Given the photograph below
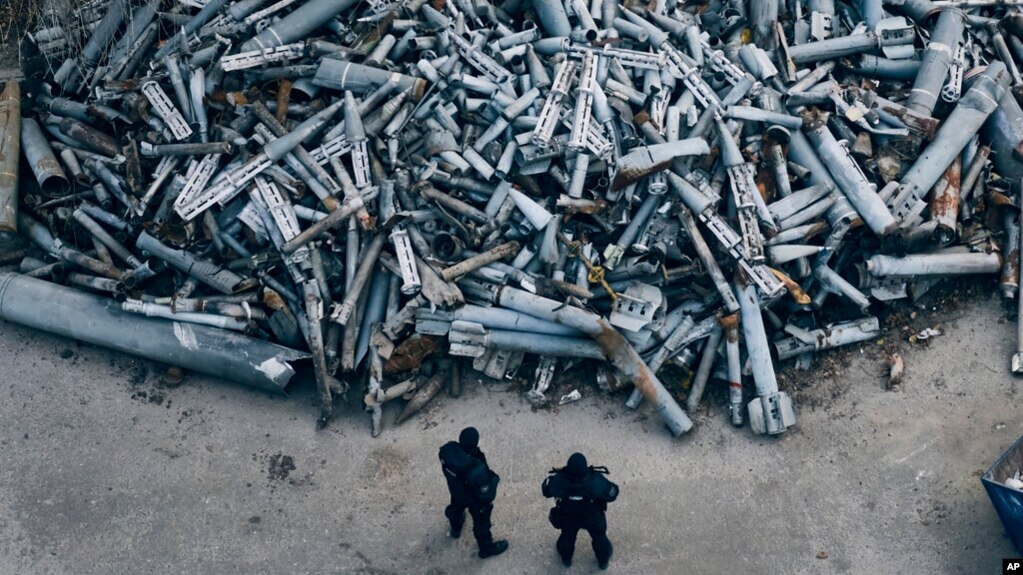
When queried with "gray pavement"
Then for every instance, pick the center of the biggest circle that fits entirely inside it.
(103, 471)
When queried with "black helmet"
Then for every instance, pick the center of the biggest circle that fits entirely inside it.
(577, 466)
(469, 438)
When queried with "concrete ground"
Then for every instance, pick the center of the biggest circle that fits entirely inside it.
(103, 471)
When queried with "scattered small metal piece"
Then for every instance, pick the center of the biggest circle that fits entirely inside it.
(896, 370)
(173, 376)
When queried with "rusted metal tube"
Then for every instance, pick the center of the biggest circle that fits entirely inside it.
(944, 202)
(50, 176)
(10, 152)
(328, 223)
(91, 137)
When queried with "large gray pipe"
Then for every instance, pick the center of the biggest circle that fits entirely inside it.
(98, 320)
(763, 18)
(282, 146)
(833, 48)
(878, 67)
(299, 24)
(919, 11)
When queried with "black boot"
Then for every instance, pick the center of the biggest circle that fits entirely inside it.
(456, 532)
(566, 562)
(495, 548)
(603, 564)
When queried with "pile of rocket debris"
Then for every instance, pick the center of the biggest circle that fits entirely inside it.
(399, 189)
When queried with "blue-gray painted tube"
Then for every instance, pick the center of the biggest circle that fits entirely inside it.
(69, 74)
(342, 75)
(277, 149)
(851, 180)
(755, 338)
(100, 321)
(499, 318)
(299, 24)
(1004, 129)
(139, 22)
(763, 18)
(208, 11)
(104, 33)
(831, 48)
(872, 12)
(615, 347)
(960, 126)
(935, 62)
(548, 345)
(919, 11)
(552, 16)
(802, 153)
(884, 68)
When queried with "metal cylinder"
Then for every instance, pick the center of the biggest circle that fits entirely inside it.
(710, 352)
(209, 273)
(960, 127)
(852, 181)
(342, 75)
(756, 340)
(803, 153)
(298, 24)
(934, 64)
(615, 347)
(834, 48)
(99, 320)
(950, 262)
(553, 17)
(10, 153)
(547, 345)
(879, 67)
(50, 176)
(1004, 129)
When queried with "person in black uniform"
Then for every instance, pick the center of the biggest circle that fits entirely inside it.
(581, 494)
(473, 486)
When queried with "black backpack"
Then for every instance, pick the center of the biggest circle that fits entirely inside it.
(479, 481)
(594, 487)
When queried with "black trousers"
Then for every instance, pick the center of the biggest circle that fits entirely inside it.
(479, 511)
(595, 525)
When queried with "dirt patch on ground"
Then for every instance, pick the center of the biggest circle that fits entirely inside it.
(137, 375)
(386, 466)
(820, 386)
(279, 466)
